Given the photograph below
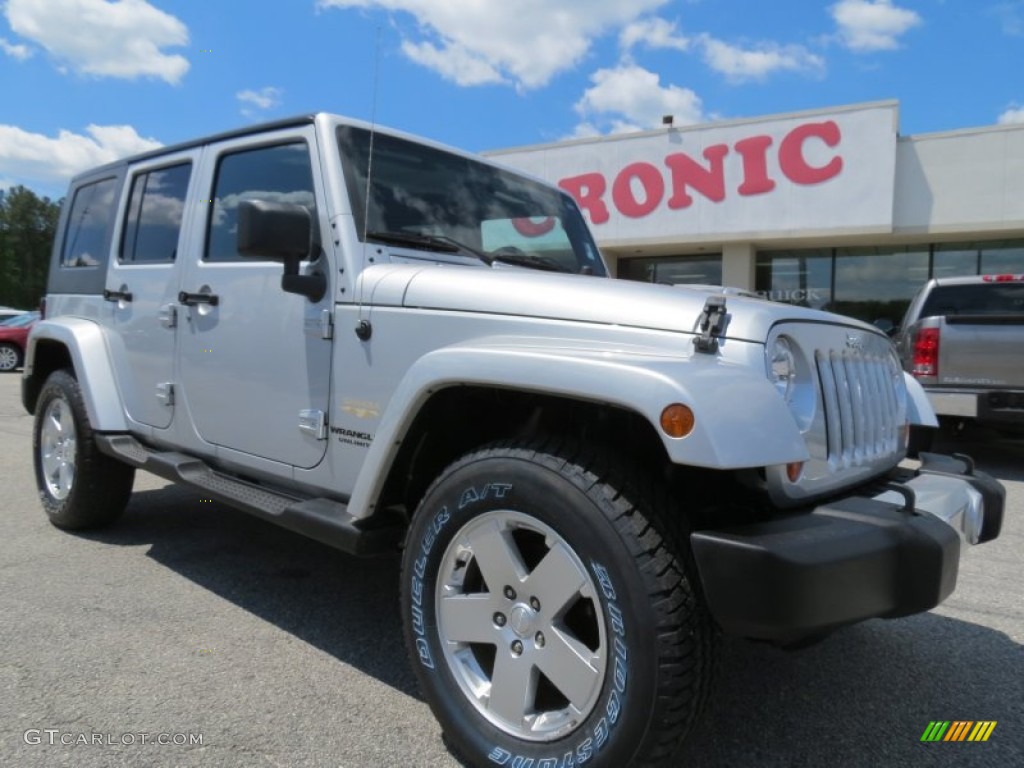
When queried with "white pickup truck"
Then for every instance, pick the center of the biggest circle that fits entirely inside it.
(963, 339)
(380, 342)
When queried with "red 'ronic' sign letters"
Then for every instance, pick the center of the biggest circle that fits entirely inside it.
(685, 173)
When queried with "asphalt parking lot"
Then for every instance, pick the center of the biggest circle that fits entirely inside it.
(189, 619)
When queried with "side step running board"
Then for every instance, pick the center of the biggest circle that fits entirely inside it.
(322, 519)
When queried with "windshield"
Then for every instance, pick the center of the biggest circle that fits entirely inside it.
(423, 196)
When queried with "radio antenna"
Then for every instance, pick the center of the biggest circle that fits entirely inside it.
(363, 328)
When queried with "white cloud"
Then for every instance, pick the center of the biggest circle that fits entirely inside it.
(453, 62)
(630, 98)
(872, 25)
(108, 39)
(739, 64)
(1012, 115)
(33, 157)
(19, 52)
(1011, 17)
(652, 33)
(524, 42)
(263, 99)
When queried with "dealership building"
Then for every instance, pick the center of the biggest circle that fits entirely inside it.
(831, 209)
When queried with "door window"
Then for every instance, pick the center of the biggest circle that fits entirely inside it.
(280, 174)
(154, 215)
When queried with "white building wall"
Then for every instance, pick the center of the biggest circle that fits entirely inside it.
(955, 186)
(962, 182)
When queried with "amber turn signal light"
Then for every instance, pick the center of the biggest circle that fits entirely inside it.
(677, 420)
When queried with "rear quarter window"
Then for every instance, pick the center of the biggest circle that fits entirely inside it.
(87, 238)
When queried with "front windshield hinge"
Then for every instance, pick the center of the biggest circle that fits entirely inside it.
(711, 323)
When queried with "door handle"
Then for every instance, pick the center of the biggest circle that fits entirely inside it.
(191, 299)
(109, 295)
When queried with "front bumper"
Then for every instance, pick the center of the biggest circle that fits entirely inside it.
(893, 553)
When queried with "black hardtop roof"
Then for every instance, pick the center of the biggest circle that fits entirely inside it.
(250, 130)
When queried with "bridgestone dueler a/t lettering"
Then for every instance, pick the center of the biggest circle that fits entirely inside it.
(551, 611)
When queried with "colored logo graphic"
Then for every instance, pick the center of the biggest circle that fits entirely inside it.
(958, 730)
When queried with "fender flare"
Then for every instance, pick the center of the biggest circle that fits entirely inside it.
(85, 342)
(740, 420)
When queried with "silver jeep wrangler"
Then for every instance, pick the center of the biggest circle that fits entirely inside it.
(380, 342)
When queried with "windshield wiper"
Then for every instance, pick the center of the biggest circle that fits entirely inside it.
(441, 243)
(414, 239)
(446, 244)
(533, 261)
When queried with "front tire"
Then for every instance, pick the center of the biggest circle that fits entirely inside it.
(552, 613)
(79, 487)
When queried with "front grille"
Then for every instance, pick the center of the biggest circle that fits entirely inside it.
(861, 409)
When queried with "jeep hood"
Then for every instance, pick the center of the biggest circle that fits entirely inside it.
(528, 293)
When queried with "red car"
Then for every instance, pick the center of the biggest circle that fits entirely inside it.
(13, 335)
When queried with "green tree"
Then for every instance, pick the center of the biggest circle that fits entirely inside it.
(27, 227)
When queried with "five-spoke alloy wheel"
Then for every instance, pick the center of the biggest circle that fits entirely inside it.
(552, 612)
(531, 654)
(79, 486)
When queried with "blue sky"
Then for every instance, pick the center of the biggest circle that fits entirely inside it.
(85, 81)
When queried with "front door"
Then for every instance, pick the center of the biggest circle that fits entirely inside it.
(254, 363)
(142, 287)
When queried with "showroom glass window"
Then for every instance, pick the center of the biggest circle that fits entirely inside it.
(985, 258)
(876, 283)
(674, 270)
(1005, 256)
(802, 277)
(956, 260)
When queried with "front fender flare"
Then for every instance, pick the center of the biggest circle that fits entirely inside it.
(86, 345)
(740, 421)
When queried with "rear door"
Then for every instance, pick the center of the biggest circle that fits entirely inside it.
(254, 360)
(141, 288)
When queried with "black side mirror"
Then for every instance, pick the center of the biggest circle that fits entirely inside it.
(283, 232)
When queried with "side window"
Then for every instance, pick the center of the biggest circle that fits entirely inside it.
(88, 228)
(280, 174)
(154, 216)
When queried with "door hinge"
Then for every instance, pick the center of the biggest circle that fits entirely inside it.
(313, 422)
(326, 324)
(168, 315)
(165, 393)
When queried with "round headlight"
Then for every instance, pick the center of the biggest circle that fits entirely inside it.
(782, 366)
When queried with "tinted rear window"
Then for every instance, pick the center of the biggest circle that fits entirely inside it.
(88, 233)
(981, 299)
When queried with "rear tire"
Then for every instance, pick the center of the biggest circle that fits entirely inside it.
(79, 487)
(553, 613)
